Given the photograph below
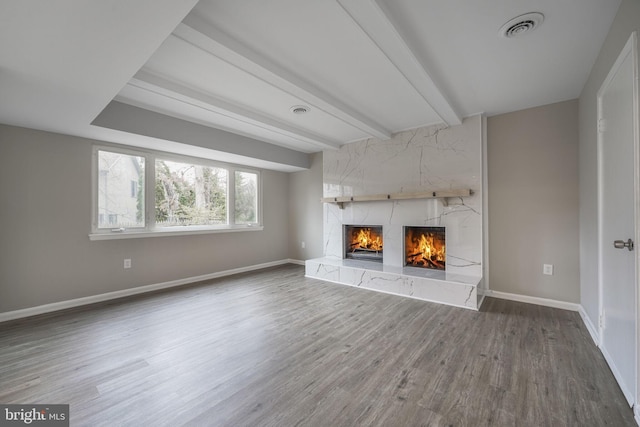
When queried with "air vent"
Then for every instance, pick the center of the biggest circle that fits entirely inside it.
(521, 24)
(299, 109)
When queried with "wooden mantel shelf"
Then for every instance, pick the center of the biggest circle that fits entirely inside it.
(444, 195)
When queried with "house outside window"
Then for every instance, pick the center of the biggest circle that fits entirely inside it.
(116, 207)
(134, 188)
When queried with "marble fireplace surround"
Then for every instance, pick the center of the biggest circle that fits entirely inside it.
(433, 158)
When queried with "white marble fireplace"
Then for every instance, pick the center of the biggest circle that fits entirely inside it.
(415, 162)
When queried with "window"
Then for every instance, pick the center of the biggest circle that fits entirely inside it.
(246, 206)
(188, 194)
(139, 194)
(116, 207)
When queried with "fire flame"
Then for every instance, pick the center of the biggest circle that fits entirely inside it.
(365, 240)
(428, 250)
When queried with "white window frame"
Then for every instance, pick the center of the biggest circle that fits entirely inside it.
(150, 229)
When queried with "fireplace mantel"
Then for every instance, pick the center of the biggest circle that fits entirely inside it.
(444, 195)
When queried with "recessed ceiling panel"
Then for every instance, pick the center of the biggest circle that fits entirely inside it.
(321, 42)
(186, 64)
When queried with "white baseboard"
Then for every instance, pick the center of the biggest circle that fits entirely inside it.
(62, 305)
(295, 261)
(532, 300)
(593, 331)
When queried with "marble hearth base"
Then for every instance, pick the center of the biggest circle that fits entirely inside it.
(429, 285)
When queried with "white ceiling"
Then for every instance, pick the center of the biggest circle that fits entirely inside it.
(364, 68)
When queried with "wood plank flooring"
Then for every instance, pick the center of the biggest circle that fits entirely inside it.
(273, 348)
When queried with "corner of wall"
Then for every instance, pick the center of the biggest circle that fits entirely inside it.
(593, 331)
(485, 206)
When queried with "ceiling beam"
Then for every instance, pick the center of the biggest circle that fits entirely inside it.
(176, 92)
(368, 15)
(201, 34)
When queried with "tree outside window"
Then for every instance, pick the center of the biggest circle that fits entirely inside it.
(187, 194)
(246, 192)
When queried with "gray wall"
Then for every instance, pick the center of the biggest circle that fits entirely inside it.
(45, 252)
(626, 21)
(305, 211)
(533, 201)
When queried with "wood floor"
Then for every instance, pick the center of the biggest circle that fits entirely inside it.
(272, 348)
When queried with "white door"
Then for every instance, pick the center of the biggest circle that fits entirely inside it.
(617, 176)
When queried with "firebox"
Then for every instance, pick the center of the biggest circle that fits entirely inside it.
(425, 247)
(363, 242)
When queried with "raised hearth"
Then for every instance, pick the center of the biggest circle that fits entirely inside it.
(420, 283)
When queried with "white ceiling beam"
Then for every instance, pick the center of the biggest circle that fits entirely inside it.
(177, 92)
(368, 15)
(203, 35)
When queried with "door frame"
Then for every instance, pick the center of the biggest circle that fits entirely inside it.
(630, 48)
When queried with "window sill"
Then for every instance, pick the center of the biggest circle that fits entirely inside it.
(172, 232)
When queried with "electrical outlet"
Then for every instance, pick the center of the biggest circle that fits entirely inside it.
(303, 245)
(547, 269)
(127, 263)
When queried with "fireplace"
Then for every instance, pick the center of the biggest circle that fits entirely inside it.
(363, 242)
(425, 247)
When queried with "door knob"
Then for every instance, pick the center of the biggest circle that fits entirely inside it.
(621, 244)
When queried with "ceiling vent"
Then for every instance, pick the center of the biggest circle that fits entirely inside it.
(299, 109)
(521, 24)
